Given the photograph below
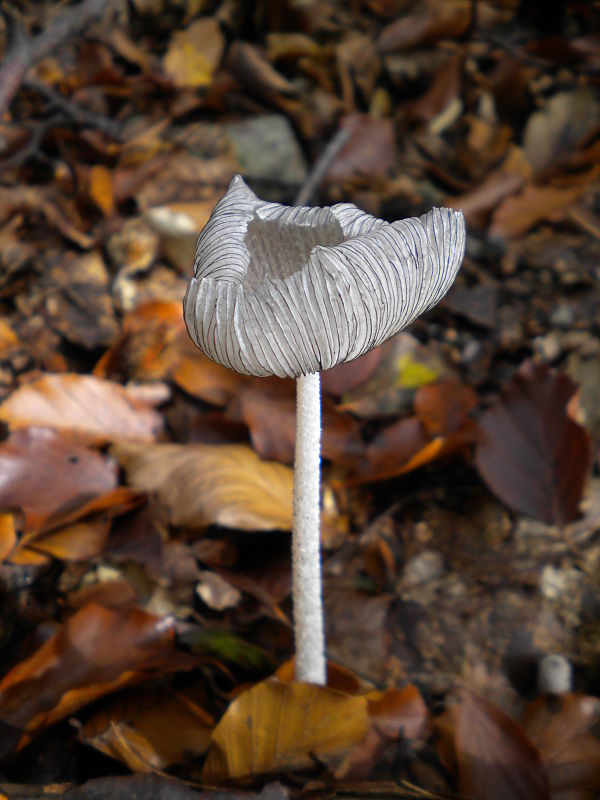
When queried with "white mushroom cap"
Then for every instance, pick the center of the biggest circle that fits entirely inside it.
(287, 291)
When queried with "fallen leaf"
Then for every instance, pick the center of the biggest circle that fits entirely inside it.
(530, 453)
(393, 714)
(204, 485)
(349, 375)
(443, 407)
(8, 535)
(150, 730)
(94, 410)
(75, 293)
(77, 542)
(95, 652)
(519, 213)
(275, 727)
(492, 755)
(101, 189)
(43, 472)
(440, 428)
(562, 727)
(268, 407)
(370, 149)
(338, 677)
(155, 345)
(251, 67)
(436, 19)
(194, 54)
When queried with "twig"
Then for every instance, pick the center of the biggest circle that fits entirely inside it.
(33, 147)
(73, 110)
(325, 160)
(24, 52)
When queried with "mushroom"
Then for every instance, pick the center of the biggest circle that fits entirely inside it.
(292, 291)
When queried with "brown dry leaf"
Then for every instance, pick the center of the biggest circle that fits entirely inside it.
(251, 68)
(268, 407)
(43, 472)
(444, 406)
(155, 345)
(562, 727)
(204, 485)
(177, 177)
(150, 730)
(276, 727)
(530, 453)
(58, 212)
(8, 535)
(200, 377)
(405, 365)
(94, 410)
(440, 428)
(75, 292)
(94, 653)
(101, 189)
(492, 755)
(370, 149)
(392, 448)
(434, 105)
(393, 713)
(433, 20)
(345, 377)
(338, 677)
(79, 541)
(504, 181)
(518, 213)
(194, 54)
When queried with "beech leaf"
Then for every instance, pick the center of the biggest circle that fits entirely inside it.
(42, 472)
(277, 726)
(531, 453)
(93, 409)
(493, 756)
(203, 484)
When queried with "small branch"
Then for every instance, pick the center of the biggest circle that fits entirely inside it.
(325, 160)
(73, 110)
(33, 148)
(306, 534)
(24, 52)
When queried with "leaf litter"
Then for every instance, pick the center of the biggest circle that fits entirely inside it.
(146, 492)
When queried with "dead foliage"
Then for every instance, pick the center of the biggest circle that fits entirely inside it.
(145, 492)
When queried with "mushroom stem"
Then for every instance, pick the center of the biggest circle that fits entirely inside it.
(306, 534)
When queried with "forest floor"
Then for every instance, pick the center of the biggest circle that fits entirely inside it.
(145, 492)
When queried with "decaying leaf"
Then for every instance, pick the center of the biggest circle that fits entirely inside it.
(562, 727)
(492, 755)
(268, 407)
(150, 730)
(531, 453)
(440, 428)
(194, 53)
(94, 410)
(393, 714)
(204, 485)
(94, 653)
(43, 472)
(519, 213)
(276, 727)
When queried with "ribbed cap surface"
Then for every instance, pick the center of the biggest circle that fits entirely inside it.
(286, 291)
